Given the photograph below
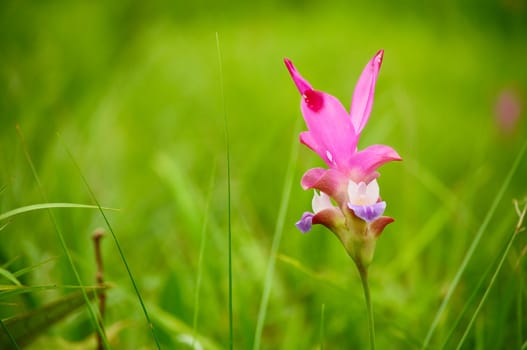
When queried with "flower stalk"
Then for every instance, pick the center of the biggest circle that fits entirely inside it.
(363, 271)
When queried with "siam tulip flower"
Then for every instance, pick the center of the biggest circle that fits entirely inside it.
(348, 200)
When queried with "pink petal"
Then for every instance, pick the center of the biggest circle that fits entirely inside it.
(332, 182)
(331, 218)
(377, 226)
(331, 134)
(302, 84)
(362, 99)
(363, 164)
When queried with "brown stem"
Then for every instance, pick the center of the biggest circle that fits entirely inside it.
(99, 278)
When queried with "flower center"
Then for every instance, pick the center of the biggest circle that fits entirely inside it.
(362, 193)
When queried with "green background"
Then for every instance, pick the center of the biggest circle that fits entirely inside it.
(135, 91)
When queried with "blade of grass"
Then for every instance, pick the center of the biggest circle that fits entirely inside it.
(473, 246)
(517, 230)
(11, 289)
(228, 155)
(41, 206)
(476, 290)
(9, 276)
(277, 237)
(93, 316)
(119, 249)
(27, 269)
(201, 254)
(322, 315)
(9, 335)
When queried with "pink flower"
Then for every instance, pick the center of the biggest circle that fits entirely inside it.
(350, 182)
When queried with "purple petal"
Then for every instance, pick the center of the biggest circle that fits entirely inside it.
(305, 223)
(364, 163)
(362, 99)
(368, 213)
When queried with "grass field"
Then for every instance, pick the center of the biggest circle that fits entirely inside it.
(142, 95)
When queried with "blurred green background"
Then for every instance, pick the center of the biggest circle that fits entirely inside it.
(134, 91)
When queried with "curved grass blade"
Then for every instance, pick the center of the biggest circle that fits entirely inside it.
(472, 248)
(277, 237)
(9, 276)
(93, 316)
(322, 326)
(9, 336)
(517, 230)
(229, 226)
(201, 255)
(475, 291)
(119, 249)
(9, 290)
(41, 206)
(176, 328)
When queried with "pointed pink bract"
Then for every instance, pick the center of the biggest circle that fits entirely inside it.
(362, 100)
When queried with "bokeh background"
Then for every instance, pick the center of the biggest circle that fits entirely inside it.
(135, 91)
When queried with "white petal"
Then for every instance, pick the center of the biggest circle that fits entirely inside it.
(362, 194)
(372, 192)
(320, 202)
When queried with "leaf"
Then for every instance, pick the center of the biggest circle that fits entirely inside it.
(34, 207)
(22, 329)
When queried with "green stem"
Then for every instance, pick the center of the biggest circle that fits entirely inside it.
(363, 271)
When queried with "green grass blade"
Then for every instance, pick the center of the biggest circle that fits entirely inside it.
(322, 315)
(41, 206)
(175, 326)
(473, 246)
(9, 290)
(9, 276)
(494, 276)
(277, 237)
(467, 305)
(201, 255)
(228, 155)
(119, 249)
(93, 316)
(12, 341)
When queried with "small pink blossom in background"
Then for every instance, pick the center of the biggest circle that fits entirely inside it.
(508, 110)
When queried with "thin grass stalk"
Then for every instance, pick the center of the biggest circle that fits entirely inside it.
(363, 271)
(228, 156)
(277, 238)
(322, 326)
(116, 241)
(201, 255)
(519, 306)
(475, 291)
(6, 330)
(517, 230)
(472, 248)
(93, 316)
